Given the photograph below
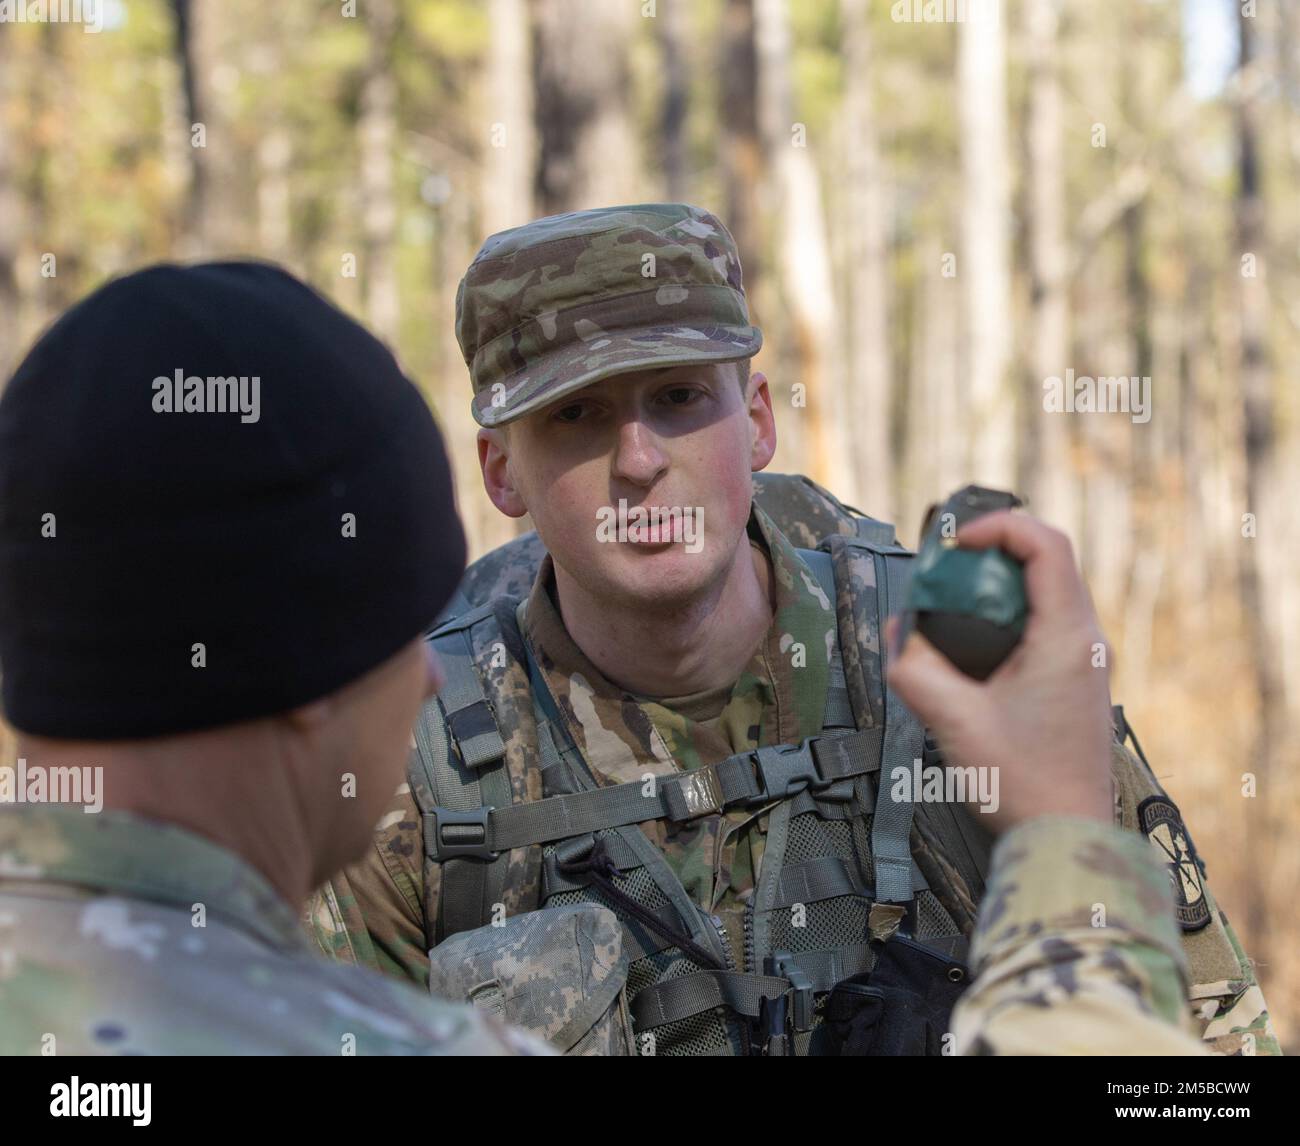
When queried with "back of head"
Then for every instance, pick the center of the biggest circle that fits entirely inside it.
(219, 499)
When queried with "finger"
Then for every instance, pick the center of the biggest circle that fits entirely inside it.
(891, 636)
(1051, 577)
(929, 683)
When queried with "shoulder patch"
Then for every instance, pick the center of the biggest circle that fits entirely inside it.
(1162, 824)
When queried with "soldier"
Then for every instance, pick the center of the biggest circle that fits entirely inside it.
(225, 521)
(686, 724)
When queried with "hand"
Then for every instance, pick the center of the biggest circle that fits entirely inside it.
(1043, 718)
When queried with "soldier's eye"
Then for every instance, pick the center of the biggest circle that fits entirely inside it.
(570, 413)
(682, 395)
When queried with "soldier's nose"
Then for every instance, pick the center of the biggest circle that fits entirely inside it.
(638, 457)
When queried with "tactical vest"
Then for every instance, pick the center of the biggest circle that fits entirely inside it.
(842, 913)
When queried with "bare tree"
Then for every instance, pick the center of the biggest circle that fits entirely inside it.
(10, 226)
(986, 273)
(865, 229)
(1045, 470)
(194, 212)
(377, 129)
(1257, 588)
(511, 155)
(741, 148)
(671, 27)
(803, 257)
(582, 72)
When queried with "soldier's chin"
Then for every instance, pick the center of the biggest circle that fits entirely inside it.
(662, 570)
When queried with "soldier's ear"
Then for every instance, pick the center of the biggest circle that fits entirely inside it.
(498, 480)
(310, 715)
(762, 422)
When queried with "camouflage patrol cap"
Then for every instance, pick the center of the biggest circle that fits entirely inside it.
(559, 303)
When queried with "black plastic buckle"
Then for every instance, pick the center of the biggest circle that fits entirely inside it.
(786, 770)
(444, 818)
(784, 964)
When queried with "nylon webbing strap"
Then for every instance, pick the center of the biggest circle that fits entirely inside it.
(759, 775)
(817, 879)
(457, 606)
(839, 712)
(555, 881)
(891, 826)
(832, 965)
(433, 780)
(688, 995)
(469, 886)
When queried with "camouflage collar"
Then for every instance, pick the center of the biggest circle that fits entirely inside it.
(120, 854)
(803, 631)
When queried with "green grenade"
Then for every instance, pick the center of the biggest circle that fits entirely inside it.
(970, 604)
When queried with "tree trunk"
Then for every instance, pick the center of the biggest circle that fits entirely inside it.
(1258, 592)
(986, 244)
(583, 84)
(194, 209)
(866, 244)
(670, 24)
(510, 157)
(808, 295)
(741, 150)
(377, 129)
(214, 209)
(935, 402)
(1047, 471)
(10, 224)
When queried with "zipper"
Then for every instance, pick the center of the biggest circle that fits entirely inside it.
(749, 933)
(720, 933)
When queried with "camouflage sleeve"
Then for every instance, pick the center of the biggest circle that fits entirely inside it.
(372, 913)
(1076, 949)
(1227, 1006)
(1231, 1014)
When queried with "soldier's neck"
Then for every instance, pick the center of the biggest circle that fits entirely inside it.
(703, 646)
(223, 784)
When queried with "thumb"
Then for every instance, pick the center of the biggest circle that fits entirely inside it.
(929, 683)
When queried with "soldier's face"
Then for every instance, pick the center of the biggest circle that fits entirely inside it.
(598, 465)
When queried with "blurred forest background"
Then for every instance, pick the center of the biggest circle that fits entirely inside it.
(934, 218)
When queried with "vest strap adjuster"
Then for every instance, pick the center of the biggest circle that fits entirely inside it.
(452, 834)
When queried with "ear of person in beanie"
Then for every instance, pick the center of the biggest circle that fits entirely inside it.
(219, 498)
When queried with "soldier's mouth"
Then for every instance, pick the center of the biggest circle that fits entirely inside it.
(651, 526)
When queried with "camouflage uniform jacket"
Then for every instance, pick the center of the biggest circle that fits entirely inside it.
(374, 913)
(100, 954)
(1076, 950)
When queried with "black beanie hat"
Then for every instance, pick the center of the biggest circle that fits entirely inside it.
(211, 456)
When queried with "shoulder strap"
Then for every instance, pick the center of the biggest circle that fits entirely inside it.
(454, 790)
(891, 826)
(967, 846)
(839, 712)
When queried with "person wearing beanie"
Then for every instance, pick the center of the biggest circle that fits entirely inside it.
(226, 521)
